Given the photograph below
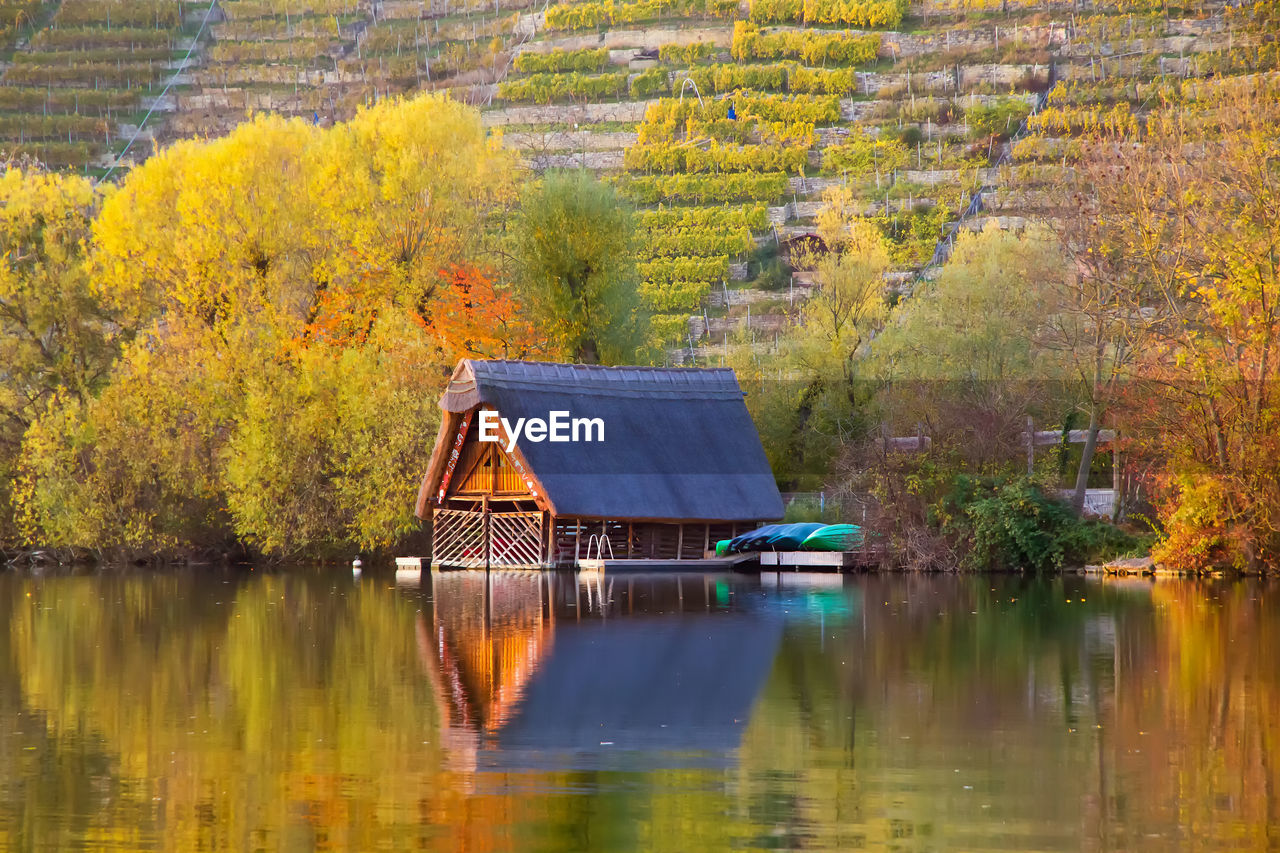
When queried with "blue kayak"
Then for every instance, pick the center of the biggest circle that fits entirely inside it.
(754, 540)
(789, 537)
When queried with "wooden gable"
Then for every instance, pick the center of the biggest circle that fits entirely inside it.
(485, 469)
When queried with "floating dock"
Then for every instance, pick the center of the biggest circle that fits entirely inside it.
(736, 562)
(822, 561)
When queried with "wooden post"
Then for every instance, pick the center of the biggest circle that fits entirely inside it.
(577, 540)
(549, 558)
(484, 514)
(1117, 482)
(706, 538)
(630, 535)
(1031, 446)
(680, 541)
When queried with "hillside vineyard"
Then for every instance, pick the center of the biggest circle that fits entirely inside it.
(730, 125)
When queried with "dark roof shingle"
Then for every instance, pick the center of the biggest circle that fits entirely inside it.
(678, 443)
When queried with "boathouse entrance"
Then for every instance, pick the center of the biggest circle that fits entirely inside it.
(488, 516)
(487, 539)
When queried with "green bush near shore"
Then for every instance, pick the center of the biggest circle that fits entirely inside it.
(1012, 524)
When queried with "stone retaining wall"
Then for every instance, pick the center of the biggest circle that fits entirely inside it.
(650, 38)
(539, 142)
(596, 161)
(566, 114)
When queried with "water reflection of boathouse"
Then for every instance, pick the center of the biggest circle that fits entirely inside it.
(675, 465)
(526, 661)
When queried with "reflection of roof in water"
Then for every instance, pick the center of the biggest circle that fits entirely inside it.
(683, 682)
(632, 672)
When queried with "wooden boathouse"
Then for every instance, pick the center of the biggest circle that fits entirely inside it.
(675, 465)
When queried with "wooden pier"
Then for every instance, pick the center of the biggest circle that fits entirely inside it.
(869, 557)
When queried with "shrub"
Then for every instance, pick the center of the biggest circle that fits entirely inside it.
(686, 54)
(753, 217)
(668, 328)
(718, 79)
(148, 14)
(858, 13)
(547, 88)
(814, 109)
(649, 83)
(669, 270)
(999, 119)
(716, 158)
(112, 74)
(812, 48)
(54, 155)
(743, 186)
(678, 295)
(863, 155)
(699, 242)
(56, 127)
(586, 16)
(820, 81)
(1016, 525)
(1117, 120)
(65, 100)
(563, 60)
(84, 38)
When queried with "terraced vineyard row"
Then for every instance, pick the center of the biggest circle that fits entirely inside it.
(791, 108)
(739, 121)
(80, 80)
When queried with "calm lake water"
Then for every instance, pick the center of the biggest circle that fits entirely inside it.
(526, 712)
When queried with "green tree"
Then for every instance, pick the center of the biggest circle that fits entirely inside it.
(968, 353)
(574, 248)
(812, 400)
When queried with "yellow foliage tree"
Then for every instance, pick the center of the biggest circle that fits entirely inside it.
(54, 333)
(298, 288)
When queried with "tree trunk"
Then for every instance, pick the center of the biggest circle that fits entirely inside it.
(1086, 459)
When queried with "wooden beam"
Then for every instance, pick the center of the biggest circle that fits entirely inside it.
(1042, 438)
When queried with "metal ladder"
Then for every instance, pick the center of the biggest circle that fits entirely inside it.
(601, 541)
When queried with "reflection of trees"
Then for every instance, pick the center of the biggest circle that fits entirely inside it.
(284, 713)
(267, 713)
(1081, 714)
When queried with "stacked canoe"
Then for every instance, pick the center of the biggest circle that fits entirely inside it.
(803, 536)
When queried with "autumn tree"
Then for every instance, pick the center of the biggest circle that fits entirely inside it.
(56, 337)
(813, 397)
(1198, 224)
(967, 353)
(302, 293)
(574, 251)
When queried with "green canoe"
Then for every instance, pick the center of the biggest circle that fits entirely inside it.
(834, 537)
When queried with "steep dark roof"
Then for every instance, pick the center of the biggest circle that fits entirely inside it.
(678, 444)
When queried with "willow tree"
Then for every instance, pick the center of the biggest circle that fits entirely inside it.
(969, 352)
(574, 250)
(283, 263)
(56, 336)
